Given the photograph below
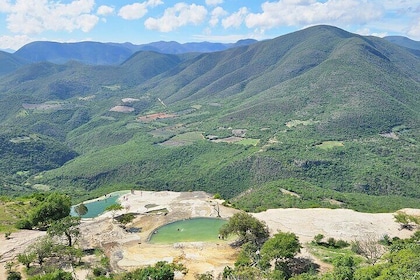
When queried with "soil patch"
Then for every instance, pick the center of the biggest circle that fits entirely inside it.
(153, 117)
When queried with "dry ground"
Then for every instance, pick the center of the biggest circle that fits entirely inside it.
(153, 209)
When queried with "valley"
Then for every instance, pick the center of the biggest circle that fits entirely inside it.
(313, 132)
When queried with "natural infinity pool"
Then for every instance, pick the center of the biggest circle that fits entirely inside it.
(98, 206)
(191, 230)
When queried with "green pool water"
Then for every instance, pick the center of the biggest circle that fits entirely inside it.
(191, 230)
(98, 206)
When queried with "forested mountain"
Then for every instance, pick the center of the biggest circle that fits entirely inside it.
(95, 53)
(404, 42)
(323, 108)
(9, 63)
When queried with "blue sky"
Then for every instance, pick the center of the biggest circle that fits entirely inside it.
(144, 21)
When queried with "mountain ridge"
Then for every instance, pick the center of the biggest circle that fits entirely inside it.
(322, 105)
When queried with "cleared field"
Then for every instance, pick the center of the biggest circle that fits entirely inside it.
(156, 116)
(238, 140)
(249, 142)
(183, 139)
(330, 144)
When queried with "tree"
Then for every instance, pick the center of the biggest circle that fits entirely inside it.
(114, 208)
(280, 248)
(55, 275)
(246, 227)
(42, 248)
(14, 275)
(68, 226)
(26, 258)
(81, 210)
(160, 271)
(369, 247)
(344, 267)
(55, 207)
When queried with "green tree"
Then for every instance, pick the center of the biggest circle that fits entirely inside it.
(26, 258)
(160, 271)
(14, 275)
(114, 208)
(281, 247)
(42, 248)
(55, 207)
(55, 275)
(246, 227)
(81, 209)
(344, 267)
(68, 226)
(243, 273)
(249, 255)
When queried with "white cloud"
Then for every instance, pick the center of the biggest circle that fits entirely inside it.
(105, 10)
(14, 42)
(235, 19)
(179, 15)
(5, 6)
(35, 16)
(213, 2)
(216, 14)
(306, 12)
(137, 10)
(414, 31)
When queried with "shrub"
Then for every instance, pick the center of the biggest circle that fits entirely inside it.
(23, 224)
(99, 271)
(14, 275)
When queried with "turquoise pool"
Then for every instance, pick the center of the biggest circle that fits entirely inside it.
(98, 206)
(190, 230)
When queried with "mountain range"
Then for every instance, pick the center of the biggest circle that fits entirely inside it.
(320, 107)
(95, 53)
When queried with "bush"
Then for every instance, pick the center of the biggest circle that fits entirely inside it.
(126, 218)
(99, 271)
(23, 224)
(341, 244)
(14, 275)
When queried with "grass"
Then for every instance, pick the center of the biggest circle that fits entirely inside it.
(326, 145)
(10, 213)
(249, 142)
(328, 254)
(184, 139)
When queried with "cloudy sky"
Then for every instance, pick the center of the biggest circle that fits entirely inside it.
(144, 21)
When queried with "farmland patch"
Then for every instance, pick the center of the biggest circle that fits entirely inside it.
(330, 144)
(183, 139)
(122, 109)
(156, 116)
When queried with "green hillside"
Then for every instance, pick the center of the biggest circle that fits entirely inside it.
(321, 108)
(9, 63)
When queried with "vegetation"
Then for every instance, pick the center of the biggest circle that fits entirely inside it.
(300, 120)
(314, 133)
(247, 228)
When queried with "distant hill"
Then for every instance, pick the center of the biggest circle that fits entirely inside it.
(404, 42)
(333, 109)
(95, 53)
(9, 63)
(87, 52)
